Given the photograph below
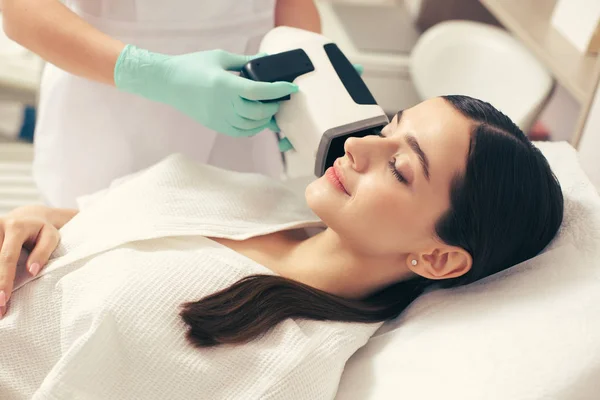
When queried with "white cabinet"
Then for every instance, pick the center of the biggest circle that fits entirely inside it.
(386, 71)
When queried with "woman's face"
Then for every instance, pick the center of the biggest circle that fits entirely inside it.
(384, 196)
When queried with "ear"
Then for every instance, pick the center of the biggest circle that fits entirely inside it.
(441, 263)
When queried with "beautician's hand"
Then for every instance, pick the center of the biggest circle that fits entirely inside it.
(34, 228)
(199, 85)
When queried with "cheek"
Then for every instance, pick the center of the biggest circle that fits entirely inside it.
(375, 220)
(383, 218)
(389, 220)
(364, 211)
(379, 219)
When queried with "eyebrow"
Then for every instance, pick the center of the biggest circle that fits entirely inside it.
(414, 145)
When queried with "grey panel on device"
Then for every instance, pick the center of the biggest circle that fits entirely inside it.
(332, 142)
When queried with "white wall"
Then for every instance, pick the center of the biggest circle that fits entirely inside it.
(589, 146)
(577, 21)
(560, 114)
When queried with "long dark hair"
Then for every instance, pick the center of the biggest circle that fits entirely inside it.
(505, 209)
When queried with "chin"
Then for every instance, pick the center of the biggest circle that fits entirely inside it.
(313, 195)
(324, 201)
(319, 197)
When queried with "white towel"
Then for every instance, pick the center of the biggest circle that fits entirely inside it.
(101, 322)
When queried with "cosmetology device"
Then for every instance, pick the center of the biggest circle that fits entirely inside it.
(333, 102)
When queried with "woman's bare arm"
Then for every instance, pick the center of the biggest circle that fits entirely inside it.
(301, 14)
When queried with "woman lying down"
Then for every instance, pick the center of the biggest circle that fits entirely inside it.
(189, 282)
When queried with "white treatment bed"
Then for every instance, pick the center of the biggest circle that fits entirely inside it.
(529, 333)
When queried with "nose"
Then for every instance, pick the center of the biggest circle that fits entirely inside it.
(361, 152)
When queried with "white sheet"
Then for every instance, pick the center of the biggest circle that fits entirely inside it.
(101, 322)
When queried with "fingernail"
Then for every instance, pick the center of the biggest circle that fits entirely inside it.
(2, 298)
(34, 269)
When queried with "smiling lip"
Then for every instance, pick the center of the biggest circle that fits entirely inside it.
(335, 178)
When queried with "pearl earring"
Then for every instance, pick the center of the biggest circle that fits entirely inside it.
(414, 262)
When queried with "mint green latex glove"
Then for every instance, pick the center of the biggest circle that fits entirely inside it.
(201, 86)
(359, 68)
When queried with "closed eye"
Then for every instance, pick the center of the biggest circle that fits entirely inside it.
(397, 174)
(392, 165)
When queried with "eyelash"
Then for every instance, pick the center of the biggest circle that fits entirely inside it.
(398, 175)
(392, 165)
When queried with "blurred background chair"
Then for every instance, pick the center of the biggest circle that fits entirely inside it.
(482, 61)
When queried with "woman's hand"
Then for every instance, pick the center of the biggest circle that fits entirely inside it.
(34, 228)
